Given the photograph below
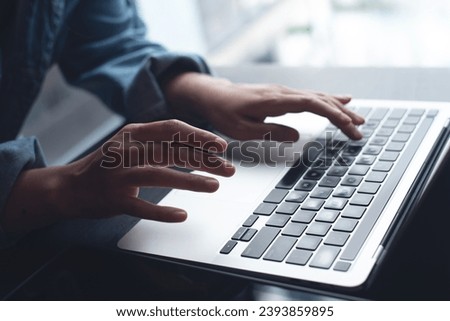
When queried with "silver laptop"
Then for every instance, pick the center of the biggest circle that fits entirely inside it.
(319, 211)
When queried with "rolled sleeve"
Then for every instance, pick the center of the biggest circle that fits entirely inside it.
(15, 157)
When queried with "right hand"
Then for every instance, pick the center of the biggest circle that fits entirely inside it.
(106, 182)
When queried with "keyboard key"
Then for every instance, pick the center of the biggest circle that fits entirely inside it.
(432, 113)
(406, 129)
(369, 188)
(309, 242)
(345, 160)
(318, 229)
(361, 199)
(335, 203)
(276, 196)
(401, 137)
(328, 216)
(386, 132)
(395, 146)
(314, 174)
(411, 120)
(372, 150)
(336, 238)
(353, 212)
(228, 247)
(365, 160)
(337, 171)
(260, 242)
(329, 181)
(389, 156)
(381, 166)
(287, 208)
(358, 143)
(325, 257)
(305, 185)
(345, 225)
(391, 123)
(249, 234)
(303, 216)
(322, 163)
(344, 191)
(299, 257)
(378, 113)
(379, 141)
(312, 204)
(363, 111)
(294, 229)
(342, 266)
(280, 248)
(416, 112)
(372, 124)
(321, 192)
(351, 180)
(265, 209)
(352, 150)
(397, 113)
(296, 196)
(239, 233)
(278, 220)
(359, 170)
(250, 220)
(376, 177)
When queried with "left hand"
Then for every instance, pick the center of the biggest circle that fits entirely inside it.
(239, 110)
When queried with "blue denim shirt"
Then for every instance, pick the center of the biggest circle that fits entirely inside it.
(100, 46)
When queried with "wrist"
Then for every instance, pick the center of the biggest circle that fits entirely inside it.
(190, 95)
(34, 200)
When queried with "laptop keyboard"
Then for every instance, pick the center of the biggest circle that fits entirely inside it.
(323, 209)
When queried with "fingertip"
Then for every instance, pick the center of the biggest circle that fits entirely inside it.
(178, 216)
(345, 119)
(222, 143)
(360, 120)
(212, 185)
(230, 169)
(344, 98)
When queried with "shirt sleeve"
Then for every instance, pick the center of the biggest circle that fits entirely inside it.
(16, 156)
(107, 53)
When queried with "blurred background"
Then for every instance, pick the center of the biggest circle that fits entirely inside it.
(317, 33)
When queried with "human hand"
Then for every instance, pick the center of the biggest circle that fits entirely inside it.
(107, 182)
(239, 110)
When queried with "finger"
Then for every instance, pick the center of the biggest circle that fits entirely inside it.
(175, 154)
(166, 177)
(143, 209)
(300, 103)
(191, 158)
(178, 131)
(345, 99)
(296, 103)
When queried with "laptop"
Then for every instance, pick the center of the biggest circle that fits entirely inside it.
(320, 211)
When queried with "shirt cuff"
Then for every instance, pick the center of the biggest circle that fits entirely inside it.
(15, 157)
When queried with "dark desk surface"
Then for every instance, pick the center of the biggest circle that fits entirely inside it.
(88, 265)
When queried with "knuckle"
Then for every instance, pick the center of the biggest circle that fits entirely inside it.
(172, 125)
(133, 127)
